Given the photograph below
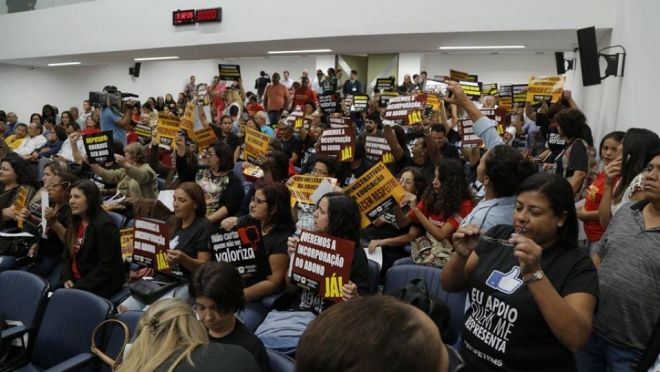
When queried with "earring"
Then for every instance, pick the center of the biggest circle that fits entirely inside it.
(559, 225)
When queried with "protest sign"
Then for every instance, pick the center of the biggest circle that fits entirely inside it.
(376, 192)
(99, 147)
(303, 186)
(126, 241)
(384, 83)
(459, 75)
(505, 99)
(168, 127)
(297, 118)
(406, 110)
(256, 145)
(339, 142)
(187, 121)
(466, 131)
(205, 138)
(471, 89)
(144, 132)
(545, 88)
(243, 248)
(20, 202)
(489, 89)
(360, 102)
(377, 149)
(229, 72)
(441, 78)
(385, 98)
(500, 116)
(336, 122)
(150, 244)
(519, 95)
(329, 102)
(322, 264)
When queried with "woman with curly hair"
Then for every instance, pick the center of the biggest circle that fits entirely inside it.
(439, 213)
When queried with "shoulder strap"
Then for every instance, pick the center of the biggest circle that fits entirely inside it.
(113, 363)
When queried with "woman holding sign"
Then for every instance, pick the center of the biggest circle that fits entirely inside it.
(337, 215)
(532, 292)
(92, 254)
(15, 174)
(270, 210)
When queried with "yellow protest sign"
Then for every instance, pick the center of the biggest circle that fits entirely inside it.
(376, 192)
(168, 127)
(20, 202)
(126, 241)
(205, 138)
(545, 88)
(187, 119)
(303, 186)
(256, 145)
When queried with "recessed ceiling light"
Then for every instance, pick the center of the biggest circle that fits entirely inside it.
(155, 58)
(63, 64)
(481, 47)
(299, 51)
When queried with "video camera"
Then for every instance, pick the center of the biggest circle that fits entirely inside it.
(110, 97)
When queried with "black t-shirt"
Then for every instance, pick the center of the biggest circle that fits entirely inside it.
(232, 358)
(242, 337)
(308, 155)
(427, 169)
(555, 143)
(293, 144)
(52, 245)
(232, 140)
(449, 151)
(579, 160)
(346, 175)
(504, 328)
(192, 239)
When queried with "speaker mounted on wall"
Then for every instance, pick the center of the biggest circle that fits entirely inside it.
(590, 55)
(135, 71)
(562, 63)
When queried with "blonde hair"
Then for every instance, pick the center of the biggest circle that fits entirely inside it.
(167, 327)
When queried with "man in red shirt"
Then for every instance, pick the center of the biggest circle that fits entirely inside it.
(304, 94)
(275, 97)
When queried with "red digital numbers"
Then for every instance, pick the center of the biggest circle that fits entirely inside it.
(183, 17)
(209, 15)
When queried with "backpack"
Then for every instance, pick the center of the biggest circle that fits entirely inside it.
(416, 293)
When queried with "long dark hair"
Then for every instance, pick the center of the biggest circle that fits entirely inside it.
(418, 178)
(278, 199)
(559, 194)
(616, 135)
(221, 283)
(637, 147)
(94, 201)
(453, 189)
(23, 170)
(506, 168)
(343, 216)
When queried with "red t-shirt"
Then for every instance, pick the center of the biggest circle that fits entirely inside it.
(592, 197)
(301, 96)
(253, 108)
(76, 248)
(438, 220)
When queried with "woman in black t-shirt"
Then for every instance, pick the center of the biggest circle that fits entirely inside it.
(532, 292)
(269, 208)
(573, 162)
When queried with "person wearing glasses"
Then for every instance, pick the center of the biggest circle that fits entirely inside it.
(533, 293)
(48, 251)
(269, 209)
(217, 289)
(223, 190)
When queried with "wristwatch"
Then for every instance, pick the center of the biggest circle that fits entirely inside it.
(531, 278)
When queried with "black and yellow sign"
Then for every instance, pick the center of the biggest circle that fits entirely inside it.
(99, 147)
(339, 143)
(256, 145)
(229, 72)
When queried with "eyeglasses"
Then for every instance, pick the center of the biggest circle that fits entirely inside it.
(257, 201)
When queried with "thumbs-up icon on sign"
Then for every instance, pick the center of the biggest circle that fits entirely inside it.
(505, 282)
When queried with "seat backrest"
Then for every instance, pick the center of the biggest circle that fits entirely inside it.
(374, 276)
(22, 297)
(280, 362)
(67, 326)
(116, 337)
(118, 219)
(399, 275)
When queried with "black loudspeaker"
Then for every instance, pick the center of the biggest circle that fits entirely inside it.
(559, 61)
(589, 56)
(135, 71)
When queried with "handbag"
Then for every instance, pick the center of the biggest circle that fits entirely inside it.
(426, 250)
(148, 291)
(416, 293)
(113, 363)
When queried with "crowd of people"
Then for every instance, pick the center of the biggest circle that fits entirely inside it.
(552, 235)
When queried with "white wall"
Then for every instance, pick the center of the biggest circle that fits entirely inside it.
(97, 25)
(25, 90)
(491, 68)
